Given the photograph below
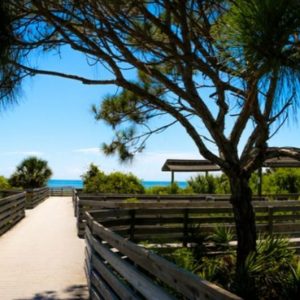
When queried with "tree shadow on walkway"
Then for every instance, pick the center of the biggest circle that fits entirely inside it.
(74, 292)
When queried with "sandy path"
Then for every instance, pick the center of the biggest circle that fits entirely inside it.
(42, 257)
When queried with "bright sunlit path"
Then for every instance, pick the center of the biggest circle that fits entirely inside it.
(42, 257)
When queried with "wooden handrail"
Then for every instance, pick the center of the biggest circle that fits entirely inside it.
(12, 210)
(138, 269)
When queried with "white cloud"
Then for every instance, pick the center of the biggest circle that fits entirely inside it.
(146, 165)
(92, 150)
(25, 153)
(163, 156)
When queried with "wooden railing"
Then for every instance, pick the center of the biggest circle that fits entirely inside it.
(181, 224)
(75, 198)
(87, 202)
(36, 196)
(119, 269)
(65, 191)
(12, 209)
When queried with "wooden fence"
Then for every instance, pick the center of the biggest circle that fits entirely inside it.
(119, 269)
(12, 209)
(87, 202)
(36, 196)
(186, 223)
(79, 194)
(65, 191)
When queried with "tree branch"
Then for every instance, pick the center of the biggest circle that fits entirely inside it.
(83, 80)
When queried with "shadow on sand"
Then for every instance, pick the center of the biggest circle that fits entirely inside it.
(74, 292)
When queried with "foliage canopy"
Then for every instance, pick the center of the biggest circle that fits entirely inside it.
(96, 181)
(4, 184)
(32, 172)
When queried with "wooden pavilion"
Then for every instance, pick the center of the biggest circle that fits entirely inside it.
(203, 165)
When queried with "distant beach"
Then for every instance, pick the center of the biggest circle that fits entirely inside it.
(77, 183)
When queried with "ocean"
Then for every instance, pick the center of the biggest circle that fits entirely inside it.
(78, 183)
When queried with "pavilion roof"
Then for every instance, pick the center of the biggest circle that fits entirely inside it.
(189, 165)
(282, 162)
(203, 165)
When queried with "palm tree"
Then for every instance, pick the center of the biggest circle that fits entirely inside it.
(32, 172)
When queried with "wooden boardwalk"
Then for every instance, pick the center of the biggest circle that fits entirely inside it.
(42, 257)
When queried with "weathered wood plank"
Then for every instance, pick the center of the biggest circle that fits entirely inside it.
(35, 196)
(216, 212)
(12, 210)
(184, 282)
(286, 227)
(162, 220)
(10, 224)
(94, 295)
(11, 203)
(102, 288)
(137, 279)
(120, 289)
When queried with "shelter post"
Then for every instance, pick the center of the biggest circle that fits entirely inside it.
(172, 177)
(259, 186)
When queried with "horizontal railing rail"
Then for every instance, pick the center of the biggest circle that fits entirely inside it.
(36, 196)
(169, 224)
(65, 191)
(83, 202)
(5, 193)
(119, 269)
(12, 209)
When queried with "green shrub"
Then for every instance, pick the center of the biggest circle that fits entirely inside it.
(131, 200)
(184, 258)
(266, 272)
(118, 182)
(293, 282)
(96, 181)
(282, 181)
(277, 181)
(221, 236)
(222, 184)
(4, 184)
(219, 270)
(168, 190)
(272, 272)
(203, 184)
(209, 184)
(158, 190)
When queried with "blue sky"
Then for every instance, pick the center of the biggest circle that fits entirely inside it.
(53, 120)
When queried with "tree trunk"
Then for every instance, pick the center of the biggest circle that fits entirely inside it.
(244, 217)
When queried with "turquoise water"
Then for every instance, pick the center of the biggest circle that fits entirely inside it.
(78, 183)
(147, 184)
(65, 183)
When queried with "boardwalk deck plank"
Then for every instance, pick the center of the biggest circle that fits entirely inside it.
(42, 254)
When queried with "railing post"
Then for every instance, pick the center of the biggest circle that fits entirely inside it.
(185, 227)
(270, 219)
(132, 224)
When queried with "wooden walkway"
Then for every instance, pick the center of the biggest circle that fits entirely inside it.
(42, 258)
